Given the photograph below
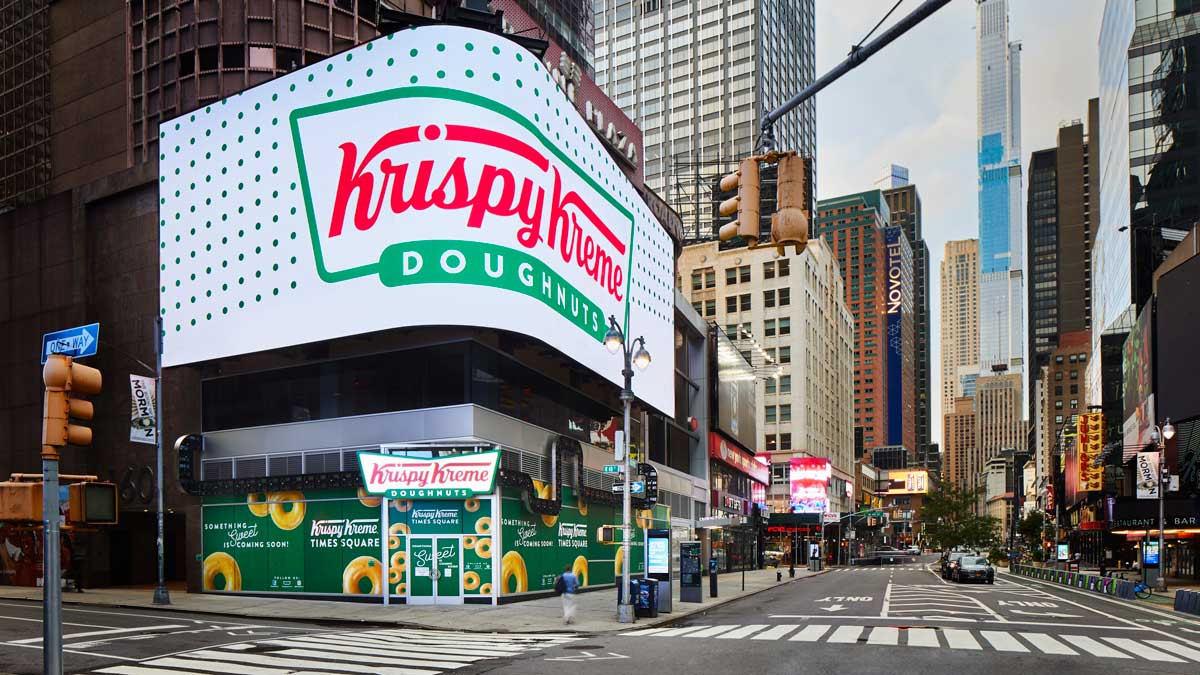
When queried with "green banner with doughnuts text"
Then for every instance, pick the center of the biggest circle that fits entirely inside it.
(537, 548)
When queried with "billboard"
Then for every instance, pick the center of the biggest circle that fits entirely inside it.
(809, 484)
(908, 482)
(736, 390)
(1137, 382)
(898, 302)
(1090, 430)
(436, 176)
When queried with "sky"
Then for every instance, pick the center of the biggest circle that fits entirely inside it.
(913, 104)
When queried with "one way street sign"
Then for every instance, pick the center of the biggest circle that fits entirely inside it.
(74, 342)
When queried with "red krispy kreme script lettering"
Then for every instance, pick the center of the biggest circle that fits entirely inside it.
(549, 213)
(425, 474)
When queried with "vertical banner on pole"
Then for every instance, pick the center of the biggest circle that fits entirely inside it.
(143, 422)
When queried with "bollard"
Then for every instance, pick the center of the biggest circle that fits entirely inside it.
(778, 575)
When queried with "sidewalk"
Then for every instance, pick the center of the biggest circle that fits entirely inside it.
(597, 611)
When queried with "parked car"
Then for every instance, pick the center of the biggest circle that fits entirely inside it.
(974, 568)
(950, 562)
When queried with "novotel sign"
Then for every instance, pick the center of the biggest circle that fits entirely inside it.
(895, 271)
(455, 476)
(435, 176)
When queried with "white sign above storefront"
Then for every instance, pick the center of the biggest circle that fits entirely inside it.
(437, 176)
(456, 476)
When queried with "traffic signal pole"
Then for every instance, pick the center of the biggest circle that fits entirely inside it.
(64, 381)
(858, 54)
(51, 571)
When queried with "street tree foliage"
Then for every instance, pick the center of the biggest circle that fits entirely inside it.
(1031, 528)
(951, 521)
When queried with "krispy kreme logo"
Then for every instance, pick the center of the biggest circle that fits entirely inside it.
(482, 196)
(454, 476)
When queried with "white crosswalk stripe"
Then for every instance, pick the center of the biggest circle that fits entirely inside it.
(922, 637)
(1142, 650)
(1165, 651)
(376, 652)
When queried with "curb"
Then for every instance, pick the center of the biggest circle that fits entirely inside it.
(324, 621)
(676, 616)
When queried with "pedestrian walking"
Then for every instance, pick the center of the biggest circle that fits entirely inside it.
(567, 586)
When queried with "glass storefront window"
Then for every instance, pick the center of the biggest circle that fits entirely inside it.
(425, 377)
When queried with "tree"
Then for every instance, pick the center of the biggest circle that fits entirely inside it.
(951, 521)
(1031, 528)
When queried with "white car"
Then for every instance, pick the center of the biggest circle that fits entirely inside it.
(913, 550)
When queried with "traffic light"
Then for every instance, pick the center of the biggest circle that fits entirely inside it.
(65, 381)
(745, 204)
(789, 223)
(93, 503)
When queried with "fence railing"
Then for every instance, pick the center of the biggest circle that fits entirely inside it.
(1117, 588)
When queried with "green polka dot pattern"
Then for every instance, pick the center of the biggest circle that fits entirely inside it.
(252, 256)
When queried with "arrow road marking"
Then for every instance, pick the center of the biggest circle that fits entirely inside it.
(834, 608)
(588, 656)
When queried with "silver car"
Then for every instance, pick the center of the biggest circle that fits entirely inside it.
(974, 568)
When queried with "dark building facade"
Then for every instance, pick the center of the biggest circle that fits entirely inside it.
(80, 239)
(569, 23)
(905, 206)
(1042, 231)
(1060, 216)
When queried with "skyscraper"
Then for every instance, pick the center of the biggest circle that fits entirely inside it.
(959, 325)
(904, 202)
(877, 265)
(1001, 235)
(697, 76)
(1061, 217)
(1149, 158)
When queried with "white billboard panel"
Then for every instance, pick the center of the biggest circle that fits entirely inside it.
(433, 177)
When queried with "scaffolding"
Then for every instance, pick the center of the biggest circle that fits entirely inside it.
(24, 101)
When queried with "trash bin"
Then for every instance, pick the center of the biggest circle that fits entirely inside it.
(645, 603)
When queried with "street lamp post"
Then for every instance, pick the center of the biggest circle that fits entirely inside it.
(1160, 437)
(615, 341)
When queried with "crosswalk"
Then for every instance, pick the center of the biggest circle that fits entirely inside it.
(372, 652)
(1022, 642)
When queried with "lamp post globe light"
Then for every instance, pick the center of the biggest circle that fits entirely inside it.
(1160, 436)
(615, 341)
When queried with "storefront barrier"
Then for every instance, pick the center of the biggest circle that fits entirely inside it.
(1187, 602)
(1117, 588)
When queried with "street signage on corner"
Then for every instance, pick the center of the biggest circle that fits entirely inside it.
(76, 342)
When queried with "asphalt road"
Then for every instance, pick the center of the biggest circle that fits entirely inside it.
(896, 619)
(116, 641)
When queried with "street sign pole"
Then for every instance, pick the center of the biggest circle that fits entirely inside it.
(51, 572)
(161, 596)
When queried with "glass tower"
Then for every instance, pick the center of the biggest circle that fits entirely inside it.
(696, 76)
(1001, 232)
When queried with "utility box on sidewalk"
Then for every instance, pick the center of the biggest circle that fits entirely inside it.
(645, 603)
(690, 586)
